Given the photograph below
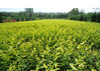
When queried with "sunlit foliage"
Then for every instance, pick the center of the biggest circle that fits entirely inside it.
(50, 45)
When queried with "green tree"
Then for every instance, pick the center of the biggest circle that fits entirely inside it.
(22, 19)
(9, 19)
(17, 18)
(0, 18)
(98, 17)
(29, 10)
(93, 18)
(89, 16)
(73, 12)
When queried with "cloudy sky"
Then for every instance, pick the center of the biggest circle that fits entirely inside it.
(48, 5)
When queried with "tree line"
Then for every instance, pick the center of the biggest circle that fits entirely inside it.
(75, 14)
(29, 14)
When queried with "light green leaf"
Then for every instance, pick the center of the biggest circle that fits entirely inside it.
(72, 66)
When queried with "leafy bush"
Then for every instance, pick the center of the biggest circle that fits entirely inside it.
(37, 18)
(9, 19)
(50, 45)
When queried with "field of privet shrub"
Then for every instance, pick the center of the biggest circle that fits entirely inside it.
(50, 45)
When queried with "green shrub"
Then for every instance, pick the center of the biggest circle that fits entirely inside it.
(50, 45)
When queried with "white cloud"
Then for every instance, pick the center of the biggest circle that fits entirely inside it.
(55, 5)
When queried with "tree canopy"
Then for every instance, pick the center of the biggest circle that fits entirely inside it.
(29, 10)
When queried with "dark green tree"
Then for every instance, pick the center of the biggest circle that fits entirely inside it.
(93, 18)
(22, 19)
(81, 18)
(17, 18)
(0, 18)
(98, 17)
(9, 19)
(73, 12)
(29, 10)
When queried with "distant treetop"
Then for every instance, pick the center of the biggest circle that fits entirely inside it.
(29, 10)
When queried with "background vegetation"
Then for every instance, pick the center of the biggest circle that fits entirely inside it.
(29, 14)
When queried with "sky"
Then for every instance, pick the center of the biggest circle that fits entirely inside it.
(48, 5)
(48, 10)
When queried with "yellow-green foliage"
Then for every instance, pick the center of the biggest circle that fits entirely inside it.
(50, 45)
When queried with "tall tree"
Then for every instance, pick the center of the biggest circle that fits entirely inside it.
(0, 18)
(29, 10)
(73, 12)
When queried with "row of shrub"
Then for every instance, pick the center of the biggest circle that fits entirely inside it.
(50, 45)
(9, 19)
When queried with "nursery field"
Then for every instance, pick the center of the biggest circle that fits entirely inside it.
(50, 45)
